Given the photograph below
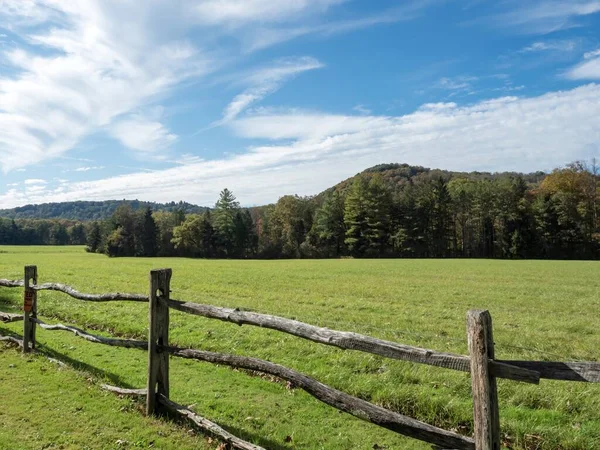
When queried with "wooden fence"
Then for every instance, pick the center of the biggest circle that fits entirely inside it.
(481, 363)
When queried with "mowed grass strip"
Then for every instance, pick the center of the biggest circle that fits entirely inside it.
(541, 310)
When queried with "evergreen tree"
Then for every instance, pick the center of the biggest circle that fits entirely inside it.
(149, 234)
(355, 218)
(328, 225)
(378, 208)
(94, 238)
(224, 221)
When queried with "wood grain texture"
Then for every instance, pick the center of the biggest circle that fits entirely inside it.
(182, 411)
(206, 424)
(486, 415)
(11, 283)
(123, 391)
(8, 317)
(90, 297)
(114, 342)
(158, 336)
(567, 371)
(350, 341)
(344, 402)
(12, 339)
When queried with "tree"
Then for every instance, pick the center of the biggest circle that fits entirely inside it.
(245, 239)
(195, 236)
(224, 221)
(123, 232)
(355, 218)
(77, 234)
(378, 204)
(94, 238)
(58, 234)
(328, 226)
(149, 234)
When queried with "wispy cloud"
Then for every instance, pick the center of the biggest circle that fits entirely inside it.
(87, 63)
(592, 54)
(361, 109)
(95, 66)
(541, 16)
(88, 168)
(265, 82)
(567, 45)
(267, 36)
(311, 150)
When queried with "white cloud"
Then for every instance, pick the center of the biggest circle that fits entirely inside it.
(588, 69)
(267, 36)
(564, 46)
(88, 66)
(235, 13)
(31, 181)
(311, 151)
(460, 83)
(101, 60)
(361, 109)
(86, 169)
(543, 16)
(142, 135)
(264, 82)
(592, 54)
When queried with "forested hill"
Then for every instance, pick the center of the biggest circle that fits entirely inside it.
(397, 176)
(84, 211)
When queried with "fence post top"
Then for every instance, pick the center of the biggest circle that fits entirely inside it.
(477, 313)
(161, 271)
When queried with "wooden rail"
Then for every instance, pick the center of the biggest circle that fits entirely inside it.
(481, 363)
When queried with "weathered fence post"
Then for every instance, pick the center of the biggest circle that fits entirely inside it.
(29, 308)
(158, 335)
(485, 392)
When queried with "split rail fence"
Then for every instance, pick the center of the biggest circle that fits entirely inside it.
(481, 363)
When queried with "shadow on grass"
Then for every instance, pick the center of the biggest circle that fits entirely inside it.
(75, 364)
(118, 381)
(239, 432)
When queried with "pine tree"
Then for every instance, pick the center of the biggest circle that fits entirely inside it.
(149, 234)
(329, 225)
(355, 218)
(224, 221)
(378, 208)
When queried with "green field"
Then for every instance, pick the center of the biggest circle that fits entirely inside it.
(542, 310)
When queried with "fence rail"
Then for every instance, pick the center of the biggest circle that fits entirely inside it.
(481, 363)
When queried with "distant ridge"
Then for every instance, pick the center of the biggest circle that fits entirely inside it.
(394, 174)
(89, 210)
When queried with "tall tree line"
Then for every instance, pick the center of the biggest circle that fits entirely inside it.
(387, 211)
(42, 232)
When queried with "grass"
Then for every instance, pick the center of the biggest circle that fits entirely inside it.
(541, 310)
(48, 407)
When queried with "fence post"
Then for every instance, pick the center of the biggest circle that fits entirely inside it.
(29, 308)
(158, 334)
(485, 392)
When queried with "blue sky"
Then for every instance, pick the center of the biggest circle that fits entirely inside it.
(175, 100)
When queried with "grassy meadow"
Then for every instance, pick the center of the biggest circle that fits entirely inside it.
(542, 310)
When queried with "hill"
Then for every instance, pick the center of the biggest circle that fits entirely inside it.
(84, 210)
(397, 176)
